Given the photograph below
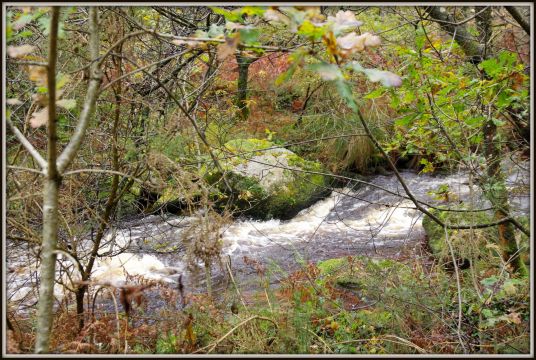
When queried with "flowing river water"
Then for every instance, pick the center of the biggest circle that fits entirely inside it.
(360, 220)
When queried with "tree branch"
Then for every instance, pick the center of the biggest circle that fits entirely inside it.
(462, 36)
(89, 104)
(27, 145)
(519, 18)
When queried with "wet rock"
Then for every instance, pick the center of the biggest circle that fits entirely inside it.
(269, 183)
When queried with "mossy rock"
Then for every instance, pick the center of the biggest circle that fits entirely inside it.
(332, 265)
(349, 271)
(266, 181)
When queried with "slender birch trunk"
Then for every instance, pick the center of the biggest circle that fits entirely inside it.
(54, 168)
(50, 203)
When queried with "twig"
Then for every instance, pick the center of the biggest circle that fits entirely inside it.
(27, 145)
(236, 327)
(113, 172)
(24, 169)
(234, 283)
(386, 338)
(326, 346)
(460, 314)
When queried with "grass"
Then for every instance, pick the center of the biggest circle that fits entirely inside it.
(351, 305)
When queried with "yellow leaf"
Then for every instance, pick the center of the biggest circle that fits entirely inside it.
(39, 118)
(66, 103)
(514, 318)
(13, 102)
(227, 48)
(38, 74)
(20, 51)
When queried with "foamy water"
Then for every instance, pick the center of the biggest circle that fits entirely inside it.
(362, 220)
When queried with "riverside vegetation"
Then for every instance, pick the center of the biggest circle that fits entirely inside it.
(218, 118)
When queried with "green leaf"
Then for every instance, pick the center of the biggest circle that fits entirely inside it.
(44, 24)
(9, 32)
(284, 77)
(406, 120)
(234, 16)
(67, 104)
(379, 92)
(355, 66)
(509, 288)
(503, 99)
(420, 38)
(428, 166)
(491, 67)
(295, 59)
(346, 93)
(490, 281)
(327, 71)
(498, 122)
(507, 58)
(62, 80)
(409, 96)
(488, 313)
(25, 33)
(458, 107)
(22, 21)
(475, 121)
(395, 101)
(215, 30)
(249, 35)
(308, 29)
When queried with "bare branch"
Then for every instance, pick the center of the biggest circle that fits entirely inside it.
(111, 172)
(89, 104)
(519, 18)
(27, 145)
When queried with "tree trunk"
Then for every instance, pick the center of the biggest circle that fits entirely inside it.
(55, 166)
(496, 192)
(80, 292)
(48, 265)
(494, 187)
(242, 85)
(111, 203)
(519, 18)
(50, 204)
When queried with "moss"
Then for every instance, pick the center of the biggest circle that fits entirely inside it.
(466, 243)
(171, 146)
(523, 240)
(166, 196)
(135, 189)
(349, 282)
(331, 265)
(247, 145)
(281, 200)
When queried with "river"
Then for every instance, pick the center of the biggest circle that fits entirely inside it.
(360, 220)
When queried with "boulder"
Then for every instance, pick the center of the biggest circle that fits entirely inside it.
(268, 182)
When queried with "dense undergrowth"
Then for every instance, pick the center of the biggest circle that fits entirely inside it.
(350, 305)
(165, 159)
